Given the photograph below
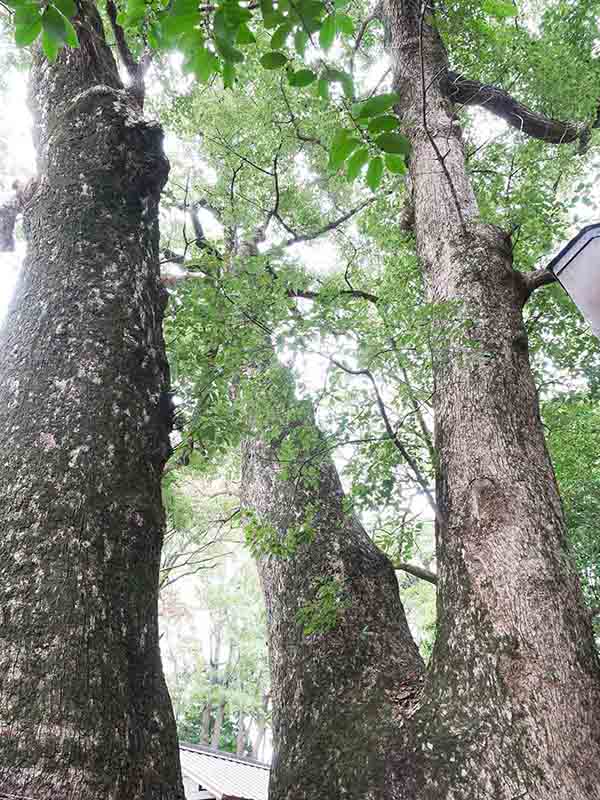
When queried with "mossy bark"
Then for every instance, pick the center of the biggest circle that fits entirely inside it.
(339, 687)
(84, 709)
(511, 704)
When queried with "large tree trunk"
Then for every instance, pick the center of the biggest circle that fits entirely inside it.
(511, 706)
(84, 709)
(336, 690)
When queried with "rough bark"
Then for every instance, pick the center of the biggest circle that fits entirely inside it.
(468, 92)
(84, 709)
(511, 704)
(335, 692)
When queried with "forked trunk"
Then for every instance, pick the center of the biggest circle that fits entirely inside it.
(84, 423)
(511, 705)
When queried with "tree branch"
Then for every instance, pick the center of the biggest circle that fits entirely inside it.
(307, 237)
(468, 92)
(418, 572)
(10, 208)
(135, 70)
(311, 295)
(398, 444)
(536, 279)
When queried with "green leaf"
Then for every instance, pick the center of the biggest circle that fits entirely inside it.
(54, 24)
(266, 8)
(71, 38)
(340, 3)
(375, 105)
(274, 60)
(203, 64)
(173, 26)
(27, 14)
(26, 34)
(228, 75)
(395, 164)
(356, 162)
(339, 76)
(279, 37)
(327, 32)
(374, 173)
(342, 146)
(393, 143)
(134, 13)
(222, 30)
(385, 123)
(323, 88)
(500, 9)
(66, 7)
(49, 46)
(245, 35)
(301, 78)
(229, 53)
(344, 24)
(300, 41)
(273, 20)
(155, 35)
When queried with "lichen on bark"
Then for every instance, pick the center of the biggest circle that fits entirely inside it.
(84, 709)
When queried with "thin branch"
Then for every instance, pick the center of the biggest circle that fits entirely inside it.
(440, 158)
(307, 237)
(293, 119)
(419, 477)
(11, 207)
(418, 572)
(223, 141)
(376, 14)
(135, 70)
(357, 293)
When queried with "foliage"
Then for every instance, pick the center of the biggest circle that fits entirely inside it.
(323, 614)
(215, 652)
(574, 438)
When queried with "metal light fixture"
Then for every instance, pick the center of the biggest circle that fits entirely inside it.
(577, 268)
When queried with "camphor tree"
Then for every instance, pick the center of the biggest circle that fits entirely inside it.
(490, 717)
(84, 709)
(509, 704)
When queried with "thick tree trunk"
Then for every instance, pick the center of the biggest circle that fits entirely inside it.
(511, 706)
(336, 690)
(84, 709)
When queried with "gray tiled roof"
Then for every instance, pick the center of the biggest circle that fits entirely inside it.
(223, 773)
